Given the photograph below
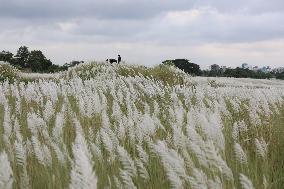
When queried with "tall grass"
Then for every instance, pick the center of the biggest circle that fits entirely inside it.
(118, 126)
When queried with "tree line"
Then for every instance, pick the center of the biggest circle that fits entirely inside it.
(194, 69)
(34, 61)
(238, 73)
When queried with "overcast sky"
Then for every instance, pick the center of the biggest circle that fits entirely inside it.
(147, 31)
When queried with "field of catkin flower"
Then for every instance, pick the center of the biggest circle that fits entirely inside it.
(118, 126)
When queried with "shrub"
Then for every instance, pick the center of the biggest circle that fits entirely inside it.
(7, 72)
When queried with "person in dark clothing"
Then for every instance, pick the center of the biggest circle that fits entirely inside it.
(119, 59)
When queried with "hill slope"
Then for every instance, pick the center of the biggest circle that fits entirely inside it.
(118, 126)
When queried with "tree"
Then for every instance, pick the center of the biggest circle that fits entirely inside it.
(55, 68)
(6, 56)
(22, 57)
(38, 62)
(168, 62)
(280, 75)
(185, 65)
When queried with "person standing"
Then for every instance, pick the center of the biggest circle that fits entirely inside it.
(119, 59)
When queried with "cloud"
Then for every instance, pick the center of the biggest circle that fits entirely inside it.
(125, 9)
(112, 9)
(147, 30)
(147, 53)
(209, 25)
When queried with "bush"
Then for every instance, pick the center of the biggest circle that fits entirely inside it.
(165, 74)
(7, 72)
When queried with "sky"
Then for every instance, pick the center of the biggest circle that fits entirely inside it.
(147, 31)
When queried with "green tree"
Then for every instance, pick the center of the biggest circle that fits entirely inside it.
(6, 56)
(280, 75)
(185, 65)
(38, 62)
(22, 56)
(168, 62)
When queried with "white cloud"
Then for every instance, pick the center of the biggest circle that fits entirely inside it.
(227, 32)
(67, 26)
(184, 18)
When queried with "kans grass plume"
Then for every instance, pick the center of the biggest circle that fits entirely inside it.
(127, 126)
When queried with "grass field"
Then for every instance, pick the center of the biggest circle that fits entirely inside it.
(119, 126)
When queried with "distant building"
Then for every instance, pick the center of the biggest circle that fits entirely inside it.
(215, 67)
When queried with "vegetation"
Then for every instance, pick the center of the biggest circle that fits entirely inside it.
(6, 56)
(280, 75)
(185, 65)
(7, 73)
(193, 69)
(34, 61)
(238, 73)
(118, 126)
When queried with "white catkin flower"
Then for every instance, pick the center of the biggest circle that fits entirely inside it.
(58, 127)
(35, 123)
(105, 119)
(235, 131)
(106, 141)
(59, 154)
(199, 179)
(25, 181)
(6, 173)
(239, 153)
(242, 126)
(175, 181)
(91, 135)
(215, 184)
(21, 154)
(147, 125)
(142, 171)
(117, 183)
(215, 159)
(82, 174)
(47, 155)
(97, 152)
(126, 180)
(265, 183)
(144, 157)
(187, 159)
(126, 161)
(245, 182)
(261, 148)
(116, 111)
(7, 126)
(121, 131)
(37, 149)
(172, 162)
(48, 111)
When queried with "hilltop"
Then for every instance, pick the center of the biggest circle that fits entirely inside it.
(99, 125)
